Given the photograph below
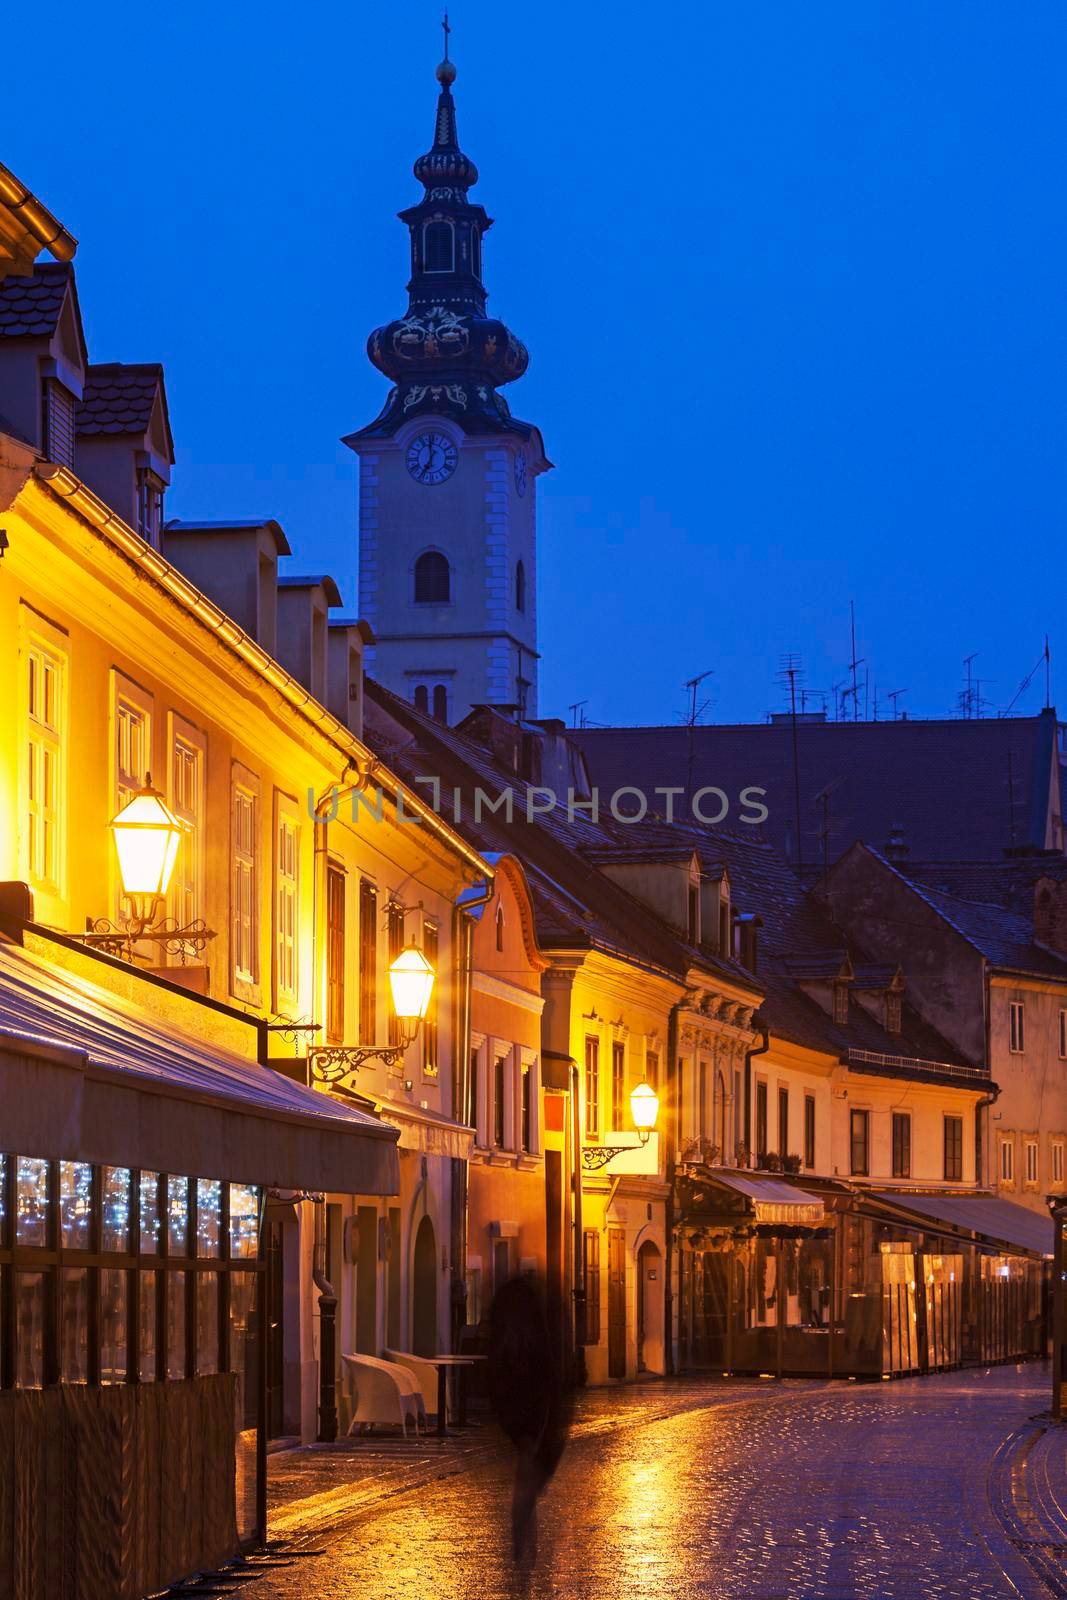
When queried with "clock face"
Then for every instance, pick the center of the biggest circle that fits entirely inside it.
(520, 471)
(431, 458)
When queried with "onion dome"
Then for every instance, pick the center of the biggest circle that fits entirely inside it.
(446, 355)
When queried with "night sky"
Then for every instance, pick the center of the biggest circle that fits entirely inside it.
(791, 277)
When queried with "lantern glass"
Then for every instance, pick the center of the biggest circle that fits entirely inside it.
(147, 836)
(644, 1107)
(411, 979)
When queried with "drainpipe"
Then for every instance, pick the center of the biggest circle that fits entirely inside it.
(327, 1329)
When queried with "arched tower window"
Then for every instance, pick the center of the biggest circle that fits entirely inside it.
(440, 702)
(422, 697)
(500, 927)
(438, 247)
(476, 253)
(520, 587)
(433, 580)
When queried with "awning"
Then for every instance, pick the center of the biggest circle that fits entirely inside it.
(999, 1222)
(771, 1201)
(427, 1132)
(87, 1076)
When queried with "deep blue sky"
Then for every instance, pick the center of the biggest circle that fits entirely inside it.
(791, 275)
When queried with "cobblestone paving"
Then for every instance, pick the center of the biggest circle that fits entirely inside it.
(941, 1488)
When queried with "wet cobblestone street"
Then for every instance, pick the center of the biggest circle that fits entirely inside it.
(949, 1487)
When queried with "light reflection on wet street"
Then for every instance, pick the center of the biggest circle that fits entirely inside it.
(880, 1492)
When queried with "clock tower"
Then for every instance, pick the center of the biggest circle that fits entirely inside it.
(447, 476)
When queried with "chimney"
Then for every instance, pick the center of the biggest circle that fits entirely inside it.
(303, 629)
(236, 565)
(896, 846)
(1050, 914)
(344, 671)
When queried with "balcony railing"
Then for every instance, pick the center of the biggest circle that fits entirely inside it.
(952, 1069)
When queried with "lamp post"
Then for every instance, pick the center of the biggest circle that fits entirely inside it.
(644, 1109)
(411, 980)
(147, 837)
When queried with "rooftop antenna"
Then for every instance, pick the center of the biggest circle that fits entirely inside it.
(857, 661)
(574, 710)
(1048, 676)
(693, 684)
(791, 670)
(968, 694)
(894, 696)
(822, 799)
(1043, 658)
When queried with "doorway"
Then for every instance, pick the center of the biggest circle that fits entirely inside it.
(424, 1292)
(274, 1301)
(616, 1303)
(649, 1308)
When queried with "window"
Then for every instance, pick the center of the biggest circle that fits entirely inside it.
(287, 906)
(368, 963)
(860, 1143)
(431, 950)
(1057, 1160)
(520, 586)
(187, 802)
(953, 1149)
(591, 1284)
(472, 1120)
(761, 1119)
(440, 702)
(244, 905)
(783, 1122)
(500, 927)
(149, 506)
(438, 247)
(133, 749)
(901, 1144)
(45, 742)
(1031, 1161)
(1063, 1034)
(527, 1109)
(422, 699)
(618, 1084)
(592, 1087)
(809, 1130)
(702, 1101)
(1007, 1160)
(335, 954)
(57, 423)
(841, 1004)
(500, 1078)
(892, 1013)
(652, 1069)
(1016, 1028)
(394, 944)
(433, 579)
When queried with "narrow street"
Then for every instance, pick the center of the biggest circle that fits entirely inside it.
(950, 1486)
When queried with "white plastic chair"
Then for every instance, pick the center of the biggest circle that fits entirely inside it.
(424, 1371)
(380, 1394)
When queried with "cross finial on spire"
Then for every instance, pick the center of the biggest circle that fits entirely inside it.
(447, 31)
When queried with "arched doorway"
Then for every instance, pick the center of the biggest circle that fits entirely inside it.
(424, 1291)
(649, 1308)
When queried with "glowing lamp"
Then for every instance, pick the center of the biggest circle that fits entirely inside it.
(147, 835)
(644, 1108)
(411, 979)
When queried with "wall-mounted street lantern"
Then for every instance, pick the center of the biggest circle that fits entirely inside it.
(644, 1109)
(147, 837)
(411, 980)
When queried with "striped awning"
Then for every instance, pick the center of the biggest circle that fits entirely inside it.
(771, 1201)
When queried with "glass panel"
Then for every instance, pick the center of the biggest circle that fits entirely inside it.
(177, 1215)
(116, 1208)
(208, 1216)
(243, 1363)
(176, 1324)
(150, 1213)
(75, 1204)
(244, 1221)
(207, 1322)
(146, 1352)
(114, 1290)
(29, 1313)
(31, 1219)
(74, 1325)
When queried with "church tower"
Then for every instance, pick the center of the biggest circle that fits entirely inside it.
(447, 476)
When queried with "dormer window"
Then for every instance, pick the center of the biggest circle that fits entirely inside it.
(57, 423)
(438, 247)
(841, 1004)
(892, 1013)
(149, 506)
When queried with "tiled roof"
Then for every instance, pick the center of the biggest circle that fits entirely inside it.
(118, 398)
(30, 306)
(960, 789)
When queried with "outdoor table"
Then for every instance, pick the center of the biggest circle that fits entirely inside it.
(442, 1363)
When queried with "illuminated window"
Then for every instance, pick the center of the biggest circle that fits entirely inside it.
(431, 950)
(335, 953)
(368, 963)
(45, 745)
(286, 908)
(592, 1087)
(244, 907)
(187, 803)
(618, 1084)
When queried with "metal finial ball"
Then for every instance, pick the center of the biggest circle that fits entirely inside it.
(446, 73)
